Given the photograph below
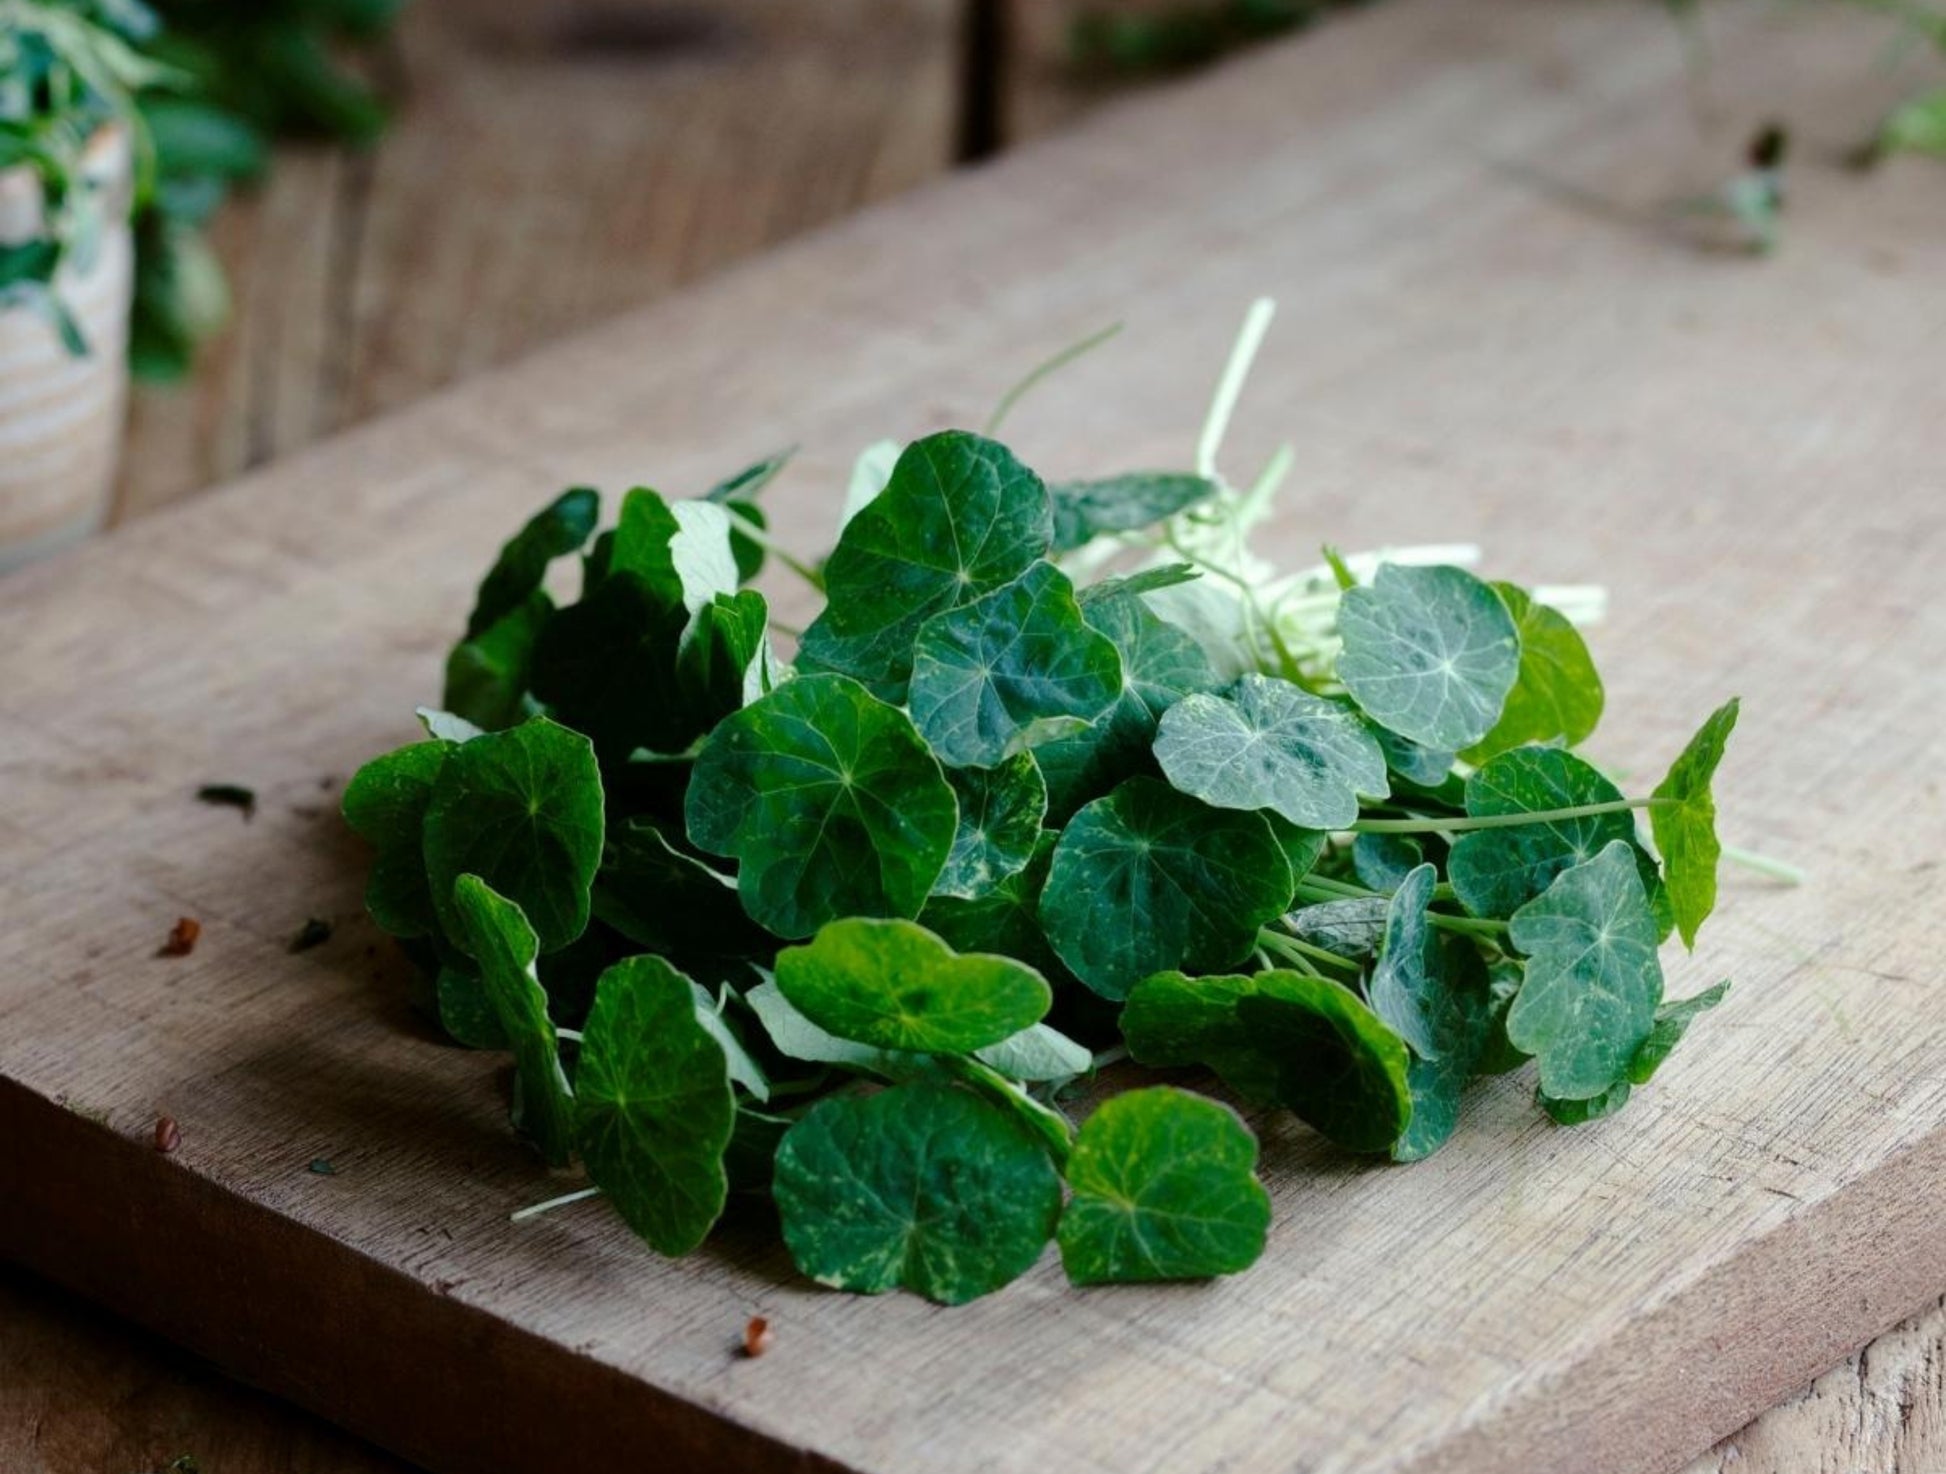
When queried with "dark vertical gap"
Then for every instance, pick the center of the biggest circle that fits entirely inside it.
(983, 79)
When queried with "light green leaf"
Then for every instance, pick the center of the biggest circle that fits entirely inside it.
(654, 1108)
(1558, 695)
(1352, 928)
(1382, 861)
(1672, 1021)
(988, 675)
(1148, 879)
(487, 675)
(830, 802)
(1405, 983)
(558, 529)
(1593, 981)
(959, 518)
(1683, 820)
(522, 809)
(1339, 1068)
(385, 804)
(1266, 744)
(1172, 1020)
(923, 1186)
(1084, 510)
(492, 930)
(1429, 652)
(894, 985)
(445, 726)
(745, 1072)
(1000, 813)
(1164, 1188)
(1495, 872)
(680, 549)
(1037, 1055)
(1422, 767)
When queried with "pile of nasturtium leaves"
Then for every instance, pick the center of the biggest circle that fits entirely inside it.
(848, 931)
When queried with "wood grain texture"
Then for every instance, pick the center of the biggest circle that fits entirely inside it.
(552, 165)
(1601, 1299)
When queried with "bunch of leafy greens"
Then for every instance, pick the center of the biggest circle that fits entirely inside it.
(199, 102)
(845, 930)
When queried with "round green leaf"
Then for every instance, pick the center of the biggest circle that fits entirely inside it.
(1164, 1188)
(556, 530)
(1339, 1068)
(1430, 652)
(830, 802)
(1593, 981)
(1148, 879)
(1266, 744)
(990, 676)
(385, 803)
(1458, 1008)
(959, 518)
(923, 1186)
(1557, 696)
(894, 985)
(1083, 510)
(1172, 1019)
(1683, 821)
(1000, 813)
(521, 809)
(1005, 919)
(1405, 985)
(1495, 872)
(654, 1107)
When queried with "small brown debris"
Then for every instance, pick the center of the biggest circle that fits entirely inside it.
(230, 796)
(182, 937)
(756, 1336)
(315, 933)
(168, 1135)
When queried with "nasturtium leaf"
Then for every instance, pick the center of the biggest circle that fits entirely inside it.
(992, 674)
(1338, 1067)
(446, 726)
(1005, 918)
(1381, 861)
(1053, 1128)
(829, 800)
(1459, 1013)
(680, 549)
(466, 1012)
(1172, 1019)
(558, 529)
(1000, 813)
(1593, 981)
(1580, 1112)
(522, 809)
(492, 930)
(959, 518)
(1148, 878)
(737, 494)
(1267, 744)
(1301, 847)
(1164, 1187)
(1683, 820)
(1495, 872)
(653, 1105)
(1141, 581)
(665, 899)
(923, 1186)
(745, 1073)
(1037, 1055)
(725, 662)
(487, 676)
(1160, 665)
(1429, 652)
(1352, 928)
(1672, 1021)
(1405, 983)
(1499, 1056)
(1557, 696)
(894, 985)
(1084, 510)
(1421, 767)
(385, 804)
(607, 666)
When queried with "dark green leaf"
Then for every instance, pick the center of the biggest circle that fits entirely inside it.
(1006, 919)
(1164, 1188)
(521, 809)
(1422, 767)
(923, 1186)
(1593, 981)
(654, 1108)
(466, 1011)
(608, 667)
(959, 518)
(487, 676)
(1579, 1112)
(492, 930)
(1405, 985)
(555, 531)
(680, 549)
(992, 675)
(1459, 1012)
(894, 985)
(1557, 696)
(1267, 744)
(670, 902)
(1429, 652)
(1083, 510)
(1338, 1067)
(1381, 861)
(1000, 813)
(1172, 1019)
(1148, 879)
(1683, 821)
(830, 802)
(385, 803)
(1672, 1021)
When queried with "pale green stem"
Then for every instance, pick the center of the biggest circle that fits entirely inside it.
(1228, 389)
(535, 1210)
(1782, 870)
(1040, 371)
(1296, 950)
(762, 538)
(1460, 823)
(573, 1036)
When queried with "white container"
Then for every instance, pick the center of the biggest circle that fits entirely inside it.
(61, 416)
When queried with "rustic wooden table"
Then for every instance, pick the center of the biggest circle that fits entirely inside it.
(555, 165)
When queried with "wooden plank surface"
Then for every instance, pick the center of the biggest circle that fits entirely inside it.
(552, 165)
(1442, 362)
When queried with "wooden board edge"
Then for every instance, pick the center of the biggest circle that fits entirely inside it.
(1734, 1341)
(293, 1311)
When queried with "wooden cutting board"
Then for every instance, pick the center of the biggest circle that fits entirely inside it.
(1489, 332)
